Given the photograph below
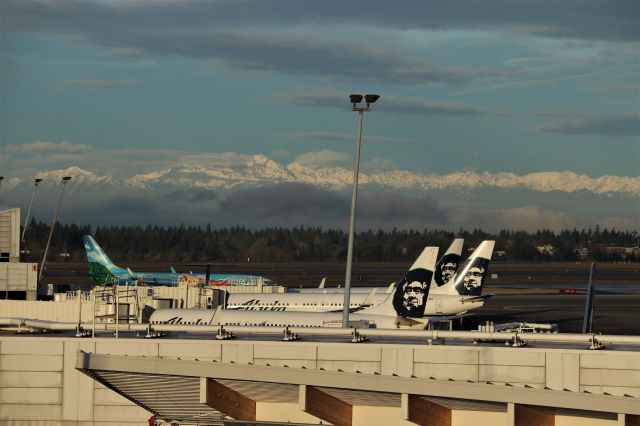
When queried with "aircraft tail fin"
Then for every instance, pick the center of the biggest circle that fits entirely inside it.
(409, 297)
(448, 264)
(101, 268)
(470, 277)
(173, 270)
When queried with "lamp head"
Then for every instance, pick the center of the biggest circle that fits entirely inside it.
(370, 99)
(37, 181)
(66, 179)
(355, 99)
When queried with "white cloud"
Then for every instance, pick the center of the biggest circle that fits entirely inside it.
(39, 147)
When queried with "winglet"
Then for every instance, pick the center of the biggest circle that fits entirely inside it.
(322, 282)
(390, 288)
(370, 297)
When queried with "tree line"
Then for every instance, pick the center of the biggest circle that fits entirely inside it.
(201, 244)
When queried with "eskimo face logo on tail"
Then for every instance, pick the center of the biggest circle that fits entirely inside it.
(446, 268)
(474, 274)
(411, 293)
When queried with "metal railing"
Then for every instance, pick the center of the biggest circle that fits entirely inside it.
(595, 341)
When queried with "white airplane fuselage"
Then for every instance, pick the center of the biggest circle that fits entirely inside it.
(299, 302)
(437, 304)
(226, 317)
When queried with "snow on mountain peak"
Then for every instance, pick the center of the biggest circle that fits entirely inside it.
(258, 170)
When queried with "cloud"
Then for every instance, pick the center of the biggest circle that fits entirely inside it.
(36, 156)
(613, 87)
(322, 158)
(124, 52)
(378, 165)
(593, 20)
(396, 104)
(268, 44)
(37, 147)
(294, 204)
(420, 106)
(331, 136)
(98, 84)
(532, 218)
(289, 204)
(326, 168)
(615, 125)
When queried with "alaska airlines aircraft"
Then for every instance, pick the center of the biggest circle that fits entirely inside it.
(445, 269)
(445, 301)
(407, 306)
(103, 271)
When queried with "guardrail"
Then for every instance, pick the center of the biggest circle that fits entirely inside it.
(595, 341)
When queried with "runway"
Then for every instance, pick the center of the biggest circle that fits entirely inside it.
(613, 314)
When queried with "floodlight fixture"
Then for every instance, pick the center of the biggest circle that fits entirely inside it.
(36, 181)
(65, 179)
(355, 99)
(371, 99)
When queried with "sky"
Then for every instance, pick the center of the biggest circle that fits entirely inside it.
(486, 86)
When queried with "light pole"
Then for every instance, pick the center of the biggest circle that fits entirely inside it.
(26, 221)
(355, 100)
(65, 179)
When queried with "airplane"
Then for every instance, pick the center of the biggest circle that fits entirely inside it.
(406, 307)
(103, 271)
(300, 302)
(448, 300)
(445, 269)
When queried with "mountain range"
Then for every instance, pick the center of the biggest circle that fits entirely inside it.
(258, 171)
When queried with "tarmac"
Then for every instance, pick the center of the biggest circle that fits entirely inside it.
(613, 314)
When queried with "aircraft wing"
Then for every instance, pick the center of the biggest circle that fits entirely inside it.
(411, 322)
(476, 299)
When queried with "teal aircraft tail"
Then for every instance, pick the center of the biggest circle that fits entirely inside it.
(101, 269)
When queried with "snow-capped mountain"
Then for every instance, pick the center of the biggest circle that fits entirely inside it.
(259, 170)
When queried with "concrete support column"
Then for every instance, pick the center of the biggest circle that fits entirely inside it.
(424, 412)
(302, 397)
(326, 407)
(226, 400)
(529, 415)
(511, 414)
(404, 406)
